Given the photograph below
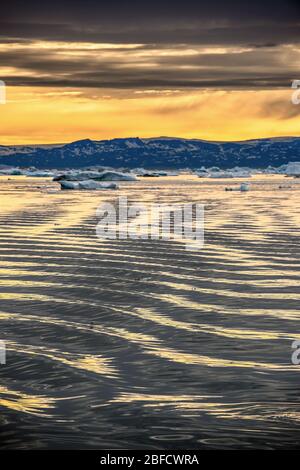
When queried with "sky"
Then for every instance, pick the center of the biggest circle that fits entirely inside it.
(216, 70)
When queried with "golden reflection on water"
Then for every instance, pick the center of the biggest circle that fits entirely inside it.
(87, 362)
(163, 319)
(151, 345)
(196, 359)
(135, 337)
(151, 292)
(249, 411)
(19, 401)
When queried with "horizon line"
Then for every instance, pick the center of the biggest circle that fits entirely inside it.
(150, 138)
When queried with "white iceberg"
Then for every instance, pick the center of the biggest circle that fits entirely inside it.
(87, 184)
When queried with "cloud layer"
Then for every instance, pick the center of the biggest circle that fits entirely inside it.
(150, 44)
(218, 70)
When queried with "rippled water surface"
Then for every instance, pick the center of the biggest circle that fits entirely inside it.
(140, 344)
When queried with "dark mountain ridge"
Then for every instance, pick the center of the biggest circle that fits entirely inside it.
(160, 152)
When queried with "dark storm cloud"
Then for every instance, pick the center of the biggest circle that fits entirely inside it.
(263, 30)
(197, 32)
(194, 22)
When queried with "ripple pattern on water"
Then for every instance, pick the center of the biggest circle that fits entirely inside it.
(142, 344)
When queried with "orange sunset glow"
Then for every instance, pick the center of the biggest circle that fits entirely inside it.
(49, 115)
(61, 91)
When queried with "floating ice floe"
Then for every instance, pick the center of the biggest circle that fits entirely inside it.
(202, 173)
(220, 174)
(293, 169)
(117, 176)
(11, 171)
(31, 172)
(95, 176)
(154, 173)
(233, 173)
(39, 174)
(243, 188)
(87, 184)
(148, 174)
